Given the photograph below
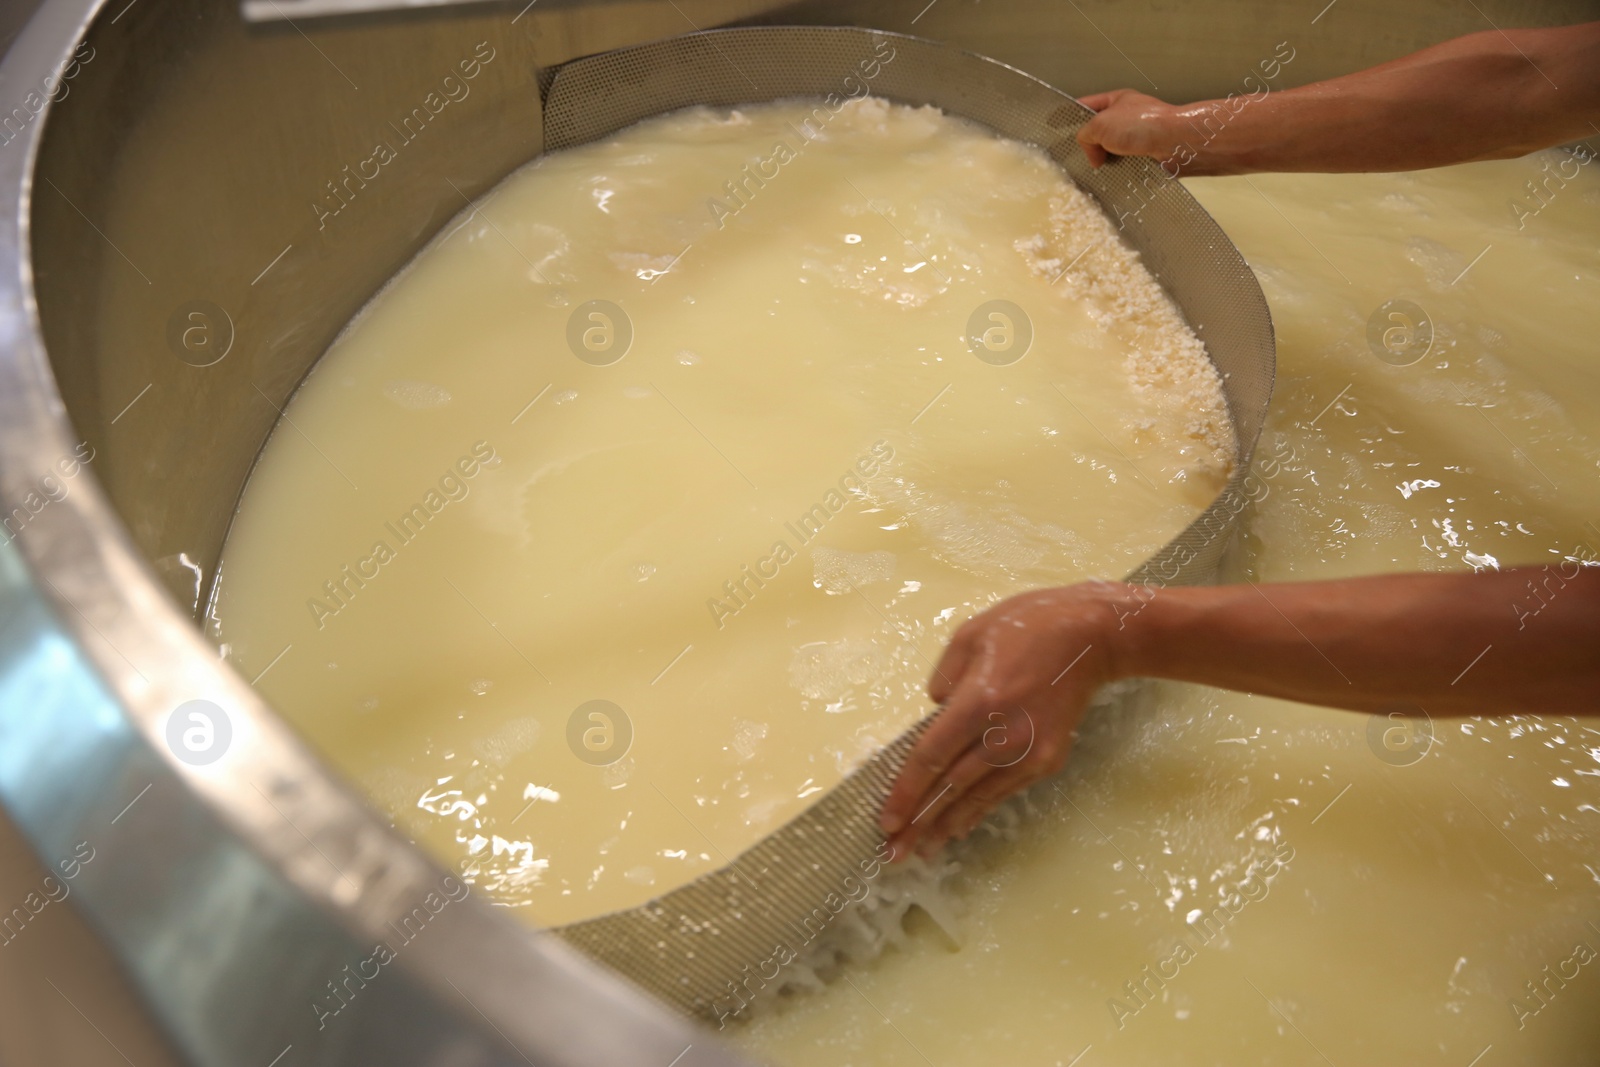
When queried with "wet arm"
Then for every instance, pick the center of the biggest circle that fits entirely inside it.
(1489, 95)
(1525, 639)
(1022, 673)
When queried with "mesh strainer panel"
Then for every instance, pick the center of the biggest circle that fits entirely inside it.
(707, 946)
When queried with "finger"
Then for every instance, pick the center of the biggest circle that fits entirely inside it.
(1101, 101)
(947, 673)
(947, 737)
(1044, 758)
(1089, 140)
(979, 802)
(1008, 737)
(966, 772)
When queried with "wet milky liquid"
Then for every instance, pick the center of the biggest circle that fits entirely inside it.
(711, 449)
(1227, 879)
(1216, 878)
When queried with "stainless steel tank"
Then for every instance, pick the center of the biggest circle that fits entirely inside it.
(185, 225)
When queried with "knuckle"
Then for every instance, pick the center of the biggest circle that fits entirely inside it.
(988, 799)
(967, 777)
(970, 629)
(1041, 764)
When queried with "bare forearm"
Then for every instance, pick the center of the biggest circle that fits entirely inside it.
(1518, 640)
(1488, 95)
(1523, 639)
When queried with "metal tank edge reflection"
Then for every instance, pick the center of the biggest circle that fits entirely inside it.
(92, 644)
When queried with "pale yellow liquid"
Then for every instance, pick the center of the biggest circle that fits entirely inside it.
(1420, 899)
(805, 351)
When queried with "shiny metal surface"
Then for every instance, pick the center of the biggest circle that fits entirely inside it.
(289, 10)
(692, 946)
(185, 161)
(246, 896)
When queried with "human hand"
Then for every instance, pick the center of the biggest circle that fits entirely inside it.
(1013, 682)
(1127, 123)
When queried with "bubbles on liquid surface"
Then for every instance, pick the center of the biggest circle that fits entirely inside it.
(837, 571)
(826, 669)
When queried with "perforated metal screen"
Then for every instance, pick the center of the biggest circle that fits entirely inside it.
(699, 946)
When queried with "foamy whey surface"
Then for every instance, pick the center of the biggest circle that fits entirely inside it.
(635, 512)
(1218, 878)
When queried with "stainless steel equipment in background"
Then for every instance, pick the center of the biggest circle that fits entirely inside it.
(185, 225)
